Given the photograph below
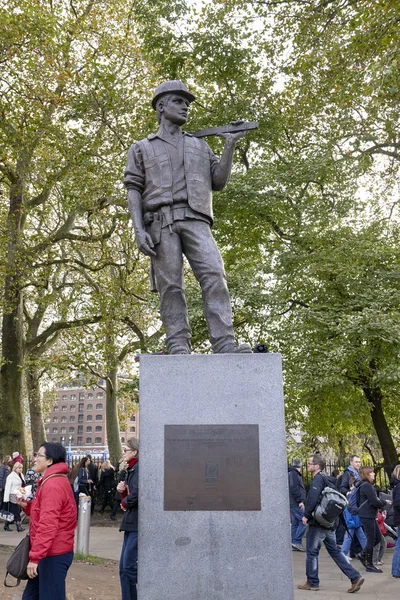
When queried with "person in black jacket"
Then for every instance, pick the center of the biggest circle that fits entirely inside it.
(107, 480)
(121, 470)
(369, 503)
(84, 481)
(4, 471)
(94, 476)
(297, 497)
(129, 490)
(350, 471)
(395, 483)
(317, 534)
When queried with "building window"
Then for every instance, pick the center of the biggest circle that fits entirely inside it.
(63, 430)
(47, 430)
(73, 397)
(65, 398)
(133, 418)
(54, 440)
(89, 418)
(58, 399)
(132, 429)
(89, 407)
(64, 409)
(99, 428)
(122, 439)
(81, 395)
(99, 417)
(80, 441)
(47, 420)
(81, 407)
(55, 430)
(55, 419)
(97, 440)
(55, 408)
(99, 395)
(90, 395)
(89, 429)
(80, 418)
(63, 419)
(80, 428)
(99, 406)
(88, 440)
(72, 440)
(72, 429)
(71, 419)
(72, 408)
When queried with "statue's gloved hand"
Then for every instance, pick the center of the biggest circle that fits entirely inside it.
(145, 243)
(233, 137)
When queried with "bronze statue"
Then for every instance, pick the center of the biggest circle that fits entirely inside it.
(170, 177)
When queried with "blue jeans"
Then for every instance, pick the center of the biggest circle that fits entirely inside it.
(50, 582)
(359, 533)
(315, 536)
(297, 528)
(128, 565)
(396, 559)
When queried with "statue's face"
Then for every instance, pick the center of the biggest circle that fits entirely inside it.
(176, 109)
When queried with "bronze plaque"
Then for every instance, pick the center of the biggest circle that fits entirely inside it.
(211, 467)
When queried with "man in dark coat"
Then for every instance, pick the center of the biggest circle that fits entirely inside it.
(297, 497)
(317, 534)
(350, 471)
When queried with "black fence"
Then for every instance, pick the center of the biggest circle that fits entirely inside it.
(382, 479)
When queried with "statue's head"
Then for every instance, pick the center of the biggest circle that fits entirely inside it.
(166, 92)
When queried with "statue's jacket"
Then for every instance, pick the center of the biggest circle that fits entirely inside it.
(149, 171)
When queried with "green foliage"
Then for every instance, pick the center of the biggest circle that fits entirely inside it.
(308, 226)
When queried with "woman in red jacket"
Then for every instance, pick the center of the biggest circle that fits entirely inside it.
(52, 525)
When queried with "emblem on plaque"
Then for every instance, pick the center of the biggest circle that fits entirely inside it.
(211, 473)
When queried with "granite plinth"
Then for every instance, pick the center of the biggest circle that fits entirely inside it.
(201, 554)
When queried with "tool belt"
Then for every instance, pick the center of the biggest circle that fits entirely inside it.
(150, 217)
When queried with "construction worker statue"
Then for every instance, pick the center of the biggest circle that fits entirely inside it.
(170, 177)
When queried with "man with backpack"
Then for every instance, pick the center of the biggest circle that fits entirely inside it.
(318, 532)
(351, 471)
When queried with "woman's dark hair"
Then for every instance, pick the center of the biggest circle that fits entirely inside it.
(364, 473)
(55, 452)
(82, 462)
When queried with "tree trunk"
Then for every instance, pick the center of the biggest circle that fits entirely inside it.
(113, 438)
(35, 407)
(389, 452)
(341, 453)
(12, 430)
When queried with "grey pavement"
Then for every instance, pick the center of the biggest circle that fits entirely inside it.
(107, 541)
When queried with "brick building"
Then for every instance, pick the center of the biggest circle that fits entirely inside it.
(79, 416)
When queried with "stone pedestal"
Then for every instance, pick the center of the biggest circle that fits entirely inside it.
(239, 549)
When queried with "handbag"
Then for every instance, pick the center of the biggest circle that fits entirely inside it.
(7, 516)
(18, 562)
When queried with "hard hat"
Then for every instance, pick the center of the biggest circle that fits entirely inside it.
(171, 87)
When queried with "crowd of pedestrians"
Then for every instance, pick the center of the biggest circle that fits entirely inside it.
(55, 490)
(52, 511)
(362, 521)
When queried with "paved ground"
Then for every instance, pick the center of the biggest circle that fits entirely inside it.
(101, 582)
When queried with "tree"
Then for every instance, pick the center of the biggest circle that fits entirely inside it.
(65, 99)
